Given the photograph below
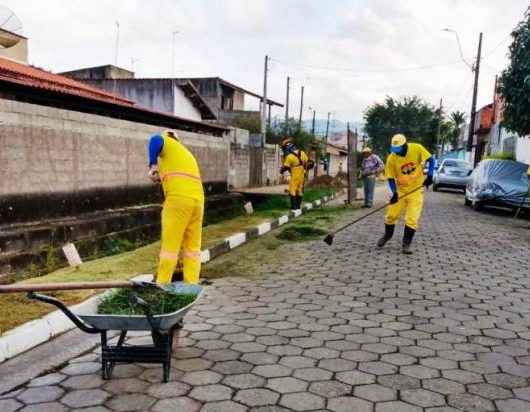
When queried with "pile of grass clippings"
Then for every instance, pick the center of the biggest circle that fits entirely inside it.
(160, 302)
(300, 232)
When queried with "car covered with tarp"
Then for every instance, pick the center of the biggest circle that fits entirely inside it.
(501, 183)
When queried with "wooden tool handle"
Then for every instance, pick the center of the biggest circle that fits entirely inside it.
(43, 287)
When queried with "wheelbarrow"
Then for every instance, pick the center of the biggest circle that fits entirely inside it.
(162, 327)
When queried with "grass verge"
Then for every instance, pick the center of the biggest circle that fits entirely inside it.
(17, 309)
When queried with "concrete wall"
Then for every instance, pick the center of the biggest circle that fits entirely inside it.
(272, 165)
(239, 168)
(337, 163)
(47, 152)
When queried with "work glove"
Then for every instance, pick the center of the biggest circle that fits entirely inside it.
(153, 174)
(394, 199)
(428, 181)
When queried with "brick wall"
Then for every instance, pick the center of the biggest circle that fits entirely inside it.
(272, 165)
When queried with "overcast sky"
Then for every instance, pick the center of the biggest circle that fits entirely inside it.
(348, 54)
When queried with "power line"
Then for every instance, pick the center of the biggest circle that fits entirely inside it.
(343, 69)
(489, 53)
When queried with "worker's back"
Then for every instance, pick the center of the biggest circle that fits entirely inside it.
(179, 170)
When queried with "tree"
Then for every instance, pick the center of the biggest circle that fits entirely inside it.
(515, 80)
(458, 119)
(301, 137)
(412, 116)
(250, 123)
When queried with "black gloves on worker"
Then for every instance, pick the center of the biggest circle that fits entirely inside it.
(428, 181)
(394, 198)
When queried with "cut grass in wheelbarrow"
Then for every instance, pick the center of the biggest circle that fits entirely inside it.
(159, 301)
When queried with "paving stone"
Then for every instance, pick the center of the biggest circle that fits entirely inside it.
(177, 404)
(154, 375)
(47, 380)
(321, 353)
(48, 407)
(256, 397)
(232, 367)
(131, 402)
(439, 363)
(396, 406)
(83, 382)
(468, 402)
(127, 371)
(81, 368)
(85, 397)
(287, 385)
(419, 371)
(422, 397)
(119, 386)
(285, 350)
(248, 347)
(273, 340)
(272, 371)
(337, 365)
(330, 389)
(349, 404)
(260, 358)
(355, 378)
(9, 405)
(312, 374)
(211, 393)
(40, 394)
(375, 393)
(342, 345)
(201, 378)
(444, 386)
(359, 356)
(462, 376)
(380, 348)
(506, 381)
(489, 391)
(377, 368)
(513, 405)
(218, 355)
(223, 406)
(302, 401)
(399, 359)
(169, 389)
(400, 382)
(522, 393)
(244, 381)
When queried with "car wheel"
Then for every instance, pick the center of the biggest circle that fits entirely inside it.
(467, 202)
(476, 205)
(434, 188)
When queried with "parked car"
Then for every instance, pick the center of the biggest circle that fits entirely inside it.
(452, 173)
(498, 183)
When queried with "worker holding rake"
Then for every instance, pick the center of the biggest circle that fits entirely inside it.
(404, 171)
(296, 162)
(172, 164)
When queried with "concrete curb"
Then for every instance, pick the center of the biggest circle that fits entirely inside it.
(243, 237)
(38, 331)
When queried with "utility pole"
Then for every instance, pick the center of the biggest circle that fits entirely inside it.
(474, 104)
(287, 106)
(116, 51)
(301, 108)
(352, 164)
(439, 152)
(264, 103)
(327, 128)
(317, 157)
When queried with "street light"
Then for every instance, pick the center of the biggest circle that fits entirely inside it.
(459, 47)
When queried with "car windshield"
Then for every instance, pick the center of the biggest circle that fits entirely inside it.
(460, 164)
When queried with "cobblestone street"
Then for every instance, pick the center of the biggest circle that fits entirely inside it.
(347, 328)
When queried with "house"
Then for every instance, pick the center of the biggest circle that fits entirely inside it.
(199, 98)
(172, 96)
(484, 119)
(337, 159)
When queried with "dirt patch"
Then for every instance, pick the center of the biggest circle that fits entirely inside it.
(299, 233)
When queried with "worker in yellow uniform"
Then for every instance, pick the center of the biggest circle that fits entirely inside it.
(176, 168)
(295, 161)
(404, 171)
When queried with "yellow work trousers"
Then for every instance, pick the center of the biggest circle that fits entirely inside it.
(181, 238)
(296, 184)
(413, 205)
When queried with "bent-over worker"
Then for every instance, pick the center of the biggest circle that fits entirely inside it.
(404, 171)
(172, 164)
(294, 161)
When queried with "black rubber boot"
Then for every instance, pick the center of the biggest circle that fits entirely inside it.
(299, 202)
(293, 202)
(389, 232)
(408, 235)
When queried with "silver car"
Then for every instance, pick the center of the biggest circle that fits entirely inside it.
(452, 173)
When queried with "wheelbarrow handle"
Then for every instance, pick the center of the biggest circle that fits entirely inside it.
(46, 287)
(55, 302)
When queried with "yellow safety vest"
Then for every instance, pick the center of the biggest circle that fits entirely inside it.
(179, 170)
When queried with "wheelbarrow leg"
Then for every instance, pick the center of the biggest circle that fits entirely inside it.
(104, 363)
